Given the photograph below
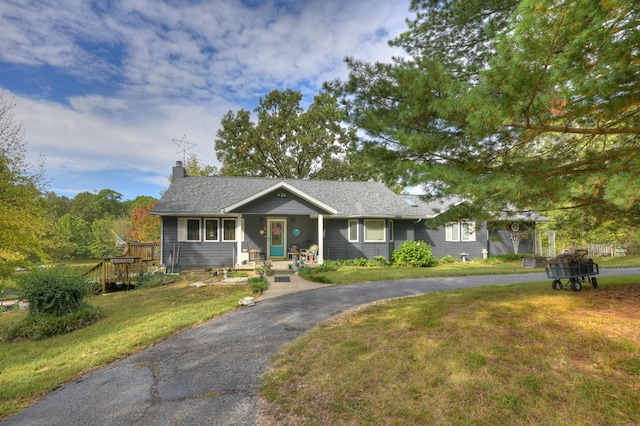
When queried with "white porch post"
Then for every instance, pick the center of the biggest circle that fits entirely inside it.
(239, 240)
(319, 255)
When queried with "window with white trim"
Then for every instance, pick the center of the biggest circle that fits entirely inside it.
(188, 229)
(390, 230)
(374, 230)
(353, 230)
(228, 229)
(460, 231)
(211, 230)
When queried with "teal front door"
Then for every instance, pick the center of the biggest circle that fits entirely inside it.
(277, 237)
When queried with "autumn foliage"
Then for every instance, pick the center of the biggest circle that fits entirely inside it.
(146, 228)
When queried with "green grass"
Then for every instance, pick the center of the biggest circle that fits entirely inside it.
(632, 261)
(515, 354)
(355, 274)
(137, 319)
(133, 320)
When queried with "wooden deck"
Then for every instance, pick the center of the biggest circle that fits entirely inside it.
(113, 272)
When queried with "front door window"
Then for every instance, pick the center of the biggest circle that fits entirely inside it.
(277, 236)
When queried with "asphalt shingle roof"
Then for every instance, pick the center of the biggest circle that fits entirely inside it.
(206, 195)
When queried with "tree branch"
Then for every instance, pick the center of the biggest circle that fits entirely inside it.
(578, 130)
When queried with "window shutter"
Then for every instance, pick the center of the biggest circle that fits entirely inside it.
(182, 229)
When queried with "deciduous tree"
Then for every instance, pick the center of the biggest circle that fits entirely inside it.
(23, 217)
(146, 227)
(287, 141)
(70, 238)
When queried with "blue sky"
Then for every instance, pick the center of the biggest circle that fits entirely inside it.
(104, 88)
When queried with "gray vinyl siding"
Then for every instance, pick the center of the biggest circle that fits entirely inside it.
(196, 254)
(337, 245)
(336, 241)
(496, 242)
(288, 205)
(192, 253)
(436, 238)
(500, 243)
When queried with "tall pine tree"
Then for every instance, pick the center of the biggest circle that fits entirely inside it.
(530, 104)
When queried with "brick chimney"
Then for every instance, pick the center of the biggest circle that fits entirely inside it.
(178, 171)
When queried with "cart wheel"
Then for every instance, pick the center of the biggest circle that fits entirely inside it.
(556, 285)
(575, 285)
(594, 282)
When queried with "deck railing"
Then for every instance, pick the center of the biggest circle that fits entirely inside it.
(145, 251)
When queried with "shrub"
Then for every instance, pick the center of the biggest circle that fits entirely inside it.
(43, 326)
(316, 274)
(55, 291)
(327, 266)
(381, 261)
(257, 284)
(448, 259)
(414, 253)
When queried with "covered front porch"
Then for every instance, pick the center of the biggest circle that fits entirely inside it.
(278, 238)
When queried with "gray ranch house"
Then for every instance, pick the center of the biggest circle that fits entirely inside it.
(213, 221)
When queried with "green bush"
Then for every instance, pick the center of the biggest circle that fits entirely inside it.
(448, 259)
(55, 291)
(327, 266)
(38, 327)
(257, 284)
(414, 253)
(381, 261)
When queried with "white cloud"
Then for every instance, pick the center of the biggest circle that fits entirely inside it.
(175, 68)
(80, 139)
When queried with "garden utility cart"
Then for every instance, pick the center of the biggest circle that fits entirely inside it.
(573, 267)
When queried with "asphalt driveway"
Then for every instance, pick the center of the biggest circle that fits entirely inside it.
(210, 375)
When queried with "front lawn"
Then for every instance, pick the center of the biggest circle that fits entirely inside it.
(515, 354)
(356, 274)
(133, 321)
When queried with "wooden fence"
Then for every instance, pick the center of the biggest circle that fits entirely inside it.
(612, 250)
